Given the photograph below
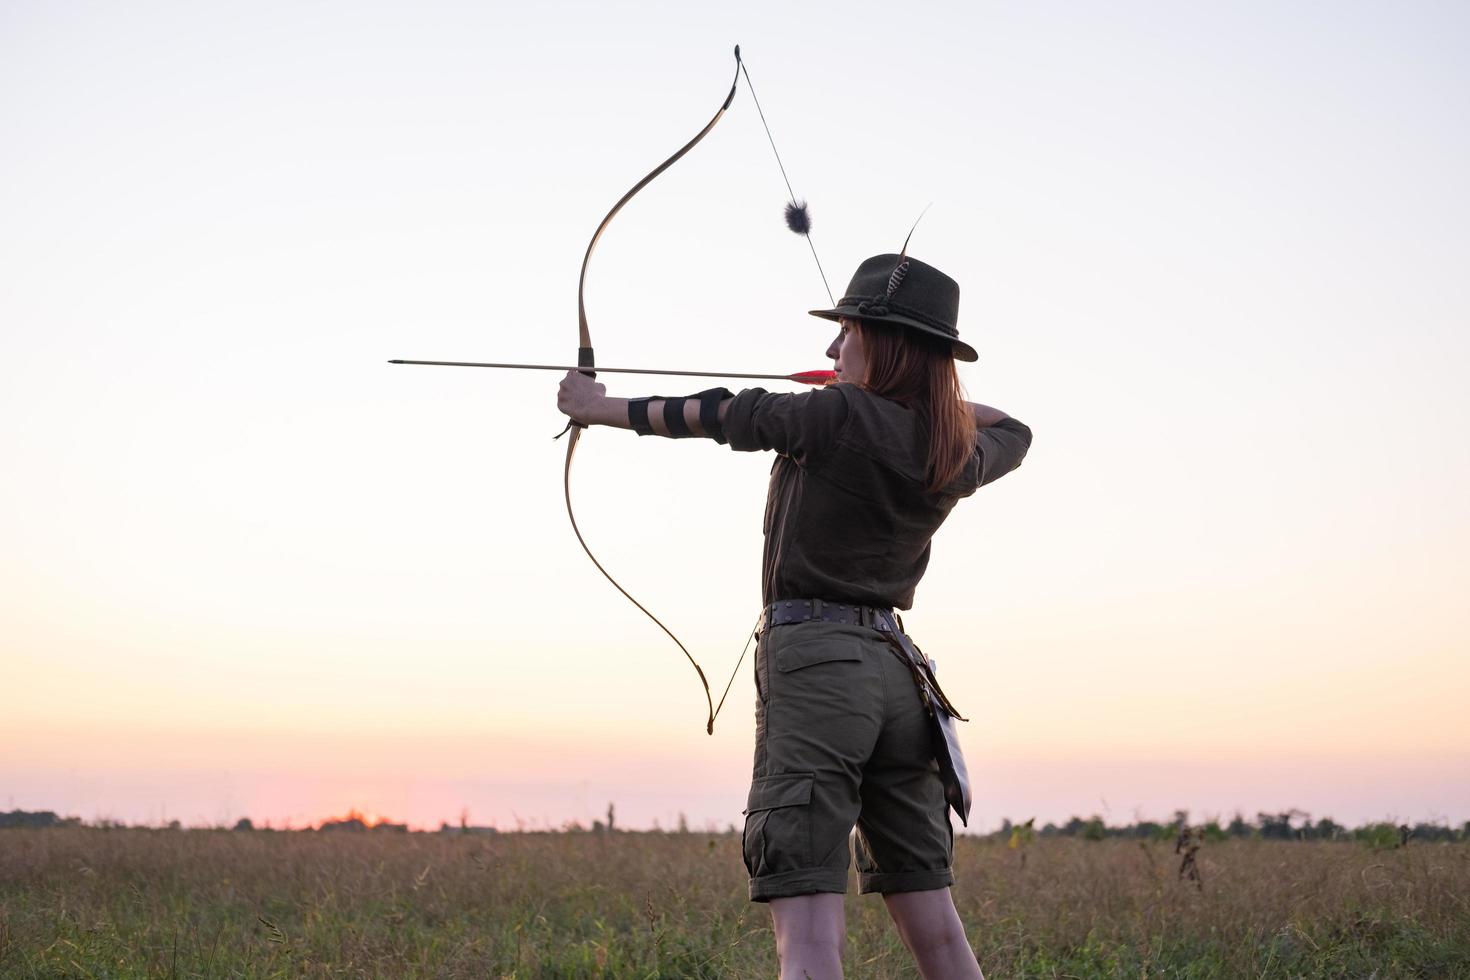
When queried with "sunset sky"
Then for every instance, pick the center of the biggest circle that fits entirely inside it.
(1216, 258)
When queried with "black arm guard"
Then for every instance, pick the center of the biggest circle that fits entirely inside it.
(709, 414)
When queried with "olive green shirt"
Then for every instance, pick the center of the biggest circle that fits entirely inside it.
(848, 516)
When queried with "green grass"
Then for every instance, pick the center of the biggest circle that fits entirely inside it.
(78, 902)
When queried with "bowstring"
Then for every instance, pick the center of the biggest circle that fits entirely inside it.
(753, 630)
(808, 235)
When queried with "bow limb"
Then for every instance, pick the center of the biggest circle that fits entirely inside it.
(567, 492)
(584, 336)
(587, 361)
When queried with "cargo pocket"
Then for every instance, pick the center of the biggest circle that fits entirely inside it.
(778, 831)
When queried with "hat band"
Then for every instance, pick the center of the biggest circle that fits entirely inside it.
(880, 306)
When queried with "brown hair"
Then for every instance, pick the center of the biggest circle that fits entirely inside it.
(918, 372)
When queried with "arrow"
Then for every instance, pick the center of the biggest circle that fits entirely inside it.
(801, 377)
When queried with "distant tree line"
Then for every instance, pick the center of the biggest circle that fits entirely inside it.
(1287, 825)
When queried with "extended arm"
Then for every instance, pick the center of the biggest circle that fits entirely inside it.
(585, 400)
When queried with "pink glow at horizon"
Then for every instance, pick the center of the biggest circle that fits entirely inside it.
(303, 779)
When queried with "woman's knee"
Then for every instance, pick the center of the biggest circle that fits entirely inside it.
(927, 919)
(810, 922)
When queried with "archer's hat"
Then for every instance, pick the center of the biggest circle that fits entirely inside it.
(902, 290)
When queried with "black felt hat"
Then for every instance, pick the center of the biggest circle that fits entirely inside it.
(902, 290)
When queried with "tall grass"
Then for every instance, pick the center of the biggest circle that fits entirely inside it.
(125, 903)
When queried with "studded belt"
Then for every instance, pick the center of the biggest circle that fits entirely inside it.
(786, 611)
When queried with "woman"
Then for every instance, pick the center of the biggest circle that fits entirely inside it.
(867, 470)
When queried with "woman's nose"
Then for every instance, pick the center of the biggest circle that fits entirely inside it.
(834, 347)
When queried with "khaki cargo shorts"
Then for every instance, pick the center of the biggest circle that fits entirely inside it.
(841, 739)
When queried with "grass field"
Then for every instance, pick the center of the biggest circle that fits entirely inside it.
(122, 903)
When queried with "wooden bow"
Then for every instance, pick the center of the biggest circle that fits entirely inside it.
(587, 363)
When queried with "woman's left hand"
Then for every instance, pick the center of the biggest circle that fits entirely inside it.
(579, 397)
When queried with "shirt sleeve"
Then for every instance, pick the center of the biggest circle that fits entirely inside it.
(801, 426)
(1001, 446)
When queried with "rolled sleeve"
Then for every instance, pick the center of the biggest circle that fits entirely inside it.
(797, 425)
(1001, 446)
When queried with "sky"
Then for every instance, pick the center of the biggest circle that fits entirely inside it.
(1213, 255)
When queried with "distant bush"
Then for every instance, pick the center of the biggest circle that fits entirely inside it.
(39, 818)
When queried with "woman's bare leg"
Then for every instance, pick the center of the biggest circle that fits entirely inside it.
(931, 929)
(810, 936)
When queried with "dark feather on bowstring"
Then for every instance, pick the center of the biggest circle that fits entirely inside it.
(798, 219)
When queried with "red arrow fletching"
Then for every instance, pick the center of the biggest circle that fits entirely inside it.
(815, 377)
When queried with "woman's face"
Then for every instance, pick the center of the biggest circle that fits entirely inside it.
(846, 352)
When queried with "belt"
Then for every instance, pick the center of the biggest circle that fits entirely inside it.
(783, 612)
